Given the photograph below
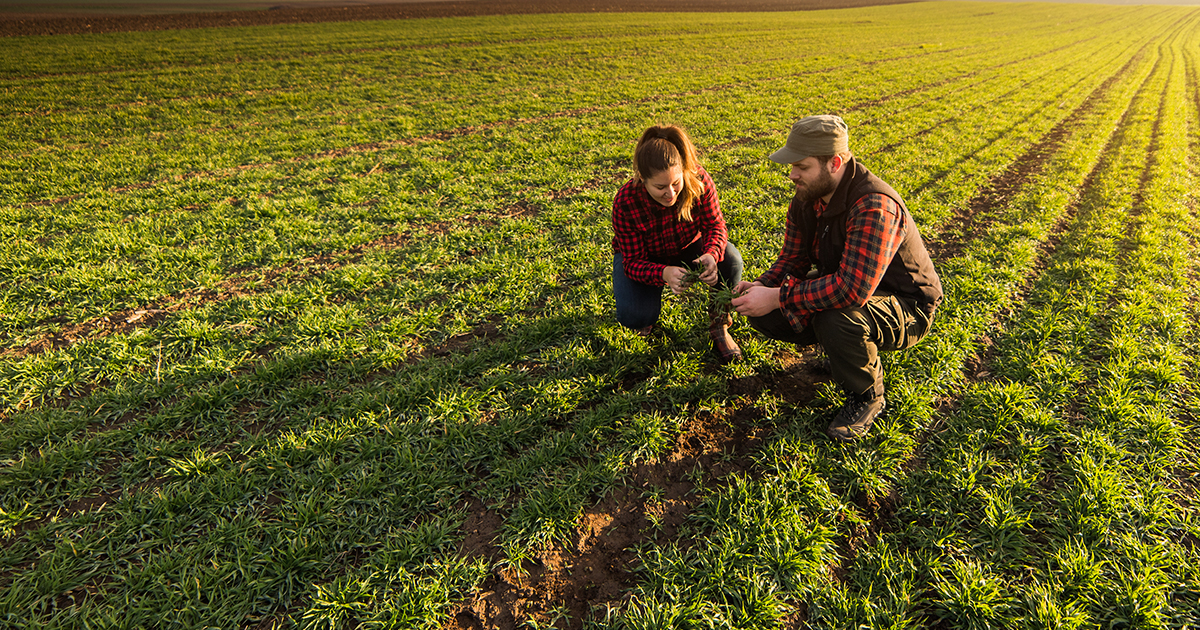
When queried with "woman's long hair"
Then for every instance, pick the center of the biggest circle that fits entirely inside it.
(662, 147)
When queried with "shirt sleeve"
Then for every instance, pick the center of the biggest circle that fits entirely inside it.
(707, 218)
(793, 257)
(629, 240)
(874, 234)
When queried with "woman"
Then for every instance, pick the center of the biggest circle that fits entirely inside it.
(665, 219)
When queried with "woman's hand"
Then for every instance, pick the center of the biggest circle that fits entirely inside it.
(674, 277)
(709, 275)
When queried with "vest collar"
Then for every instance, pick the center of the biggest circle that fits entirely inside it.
(837, 203)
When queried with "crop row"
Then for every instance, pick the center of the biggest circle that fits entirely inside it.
(315, 443)
(197, 331)
(1016, 515)
(155, 244)
(303, 99)
(183, 347)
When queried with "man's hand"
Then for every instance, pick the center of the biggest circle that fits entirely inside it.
(709, 275)
(755, 300)
(744, 286)
(674, 276)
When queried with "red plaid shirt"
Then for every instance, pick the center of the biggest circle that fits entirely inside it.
(645, 230)
(873, 234)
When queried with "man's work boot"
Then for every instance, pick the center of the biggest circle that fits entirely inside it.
(856, 416)
(726, 348)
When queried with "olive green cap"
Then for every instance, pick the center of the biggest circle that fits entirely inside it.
(814, 135)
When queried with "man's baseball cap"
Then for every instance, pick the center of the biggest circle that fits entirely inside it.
(814, 135)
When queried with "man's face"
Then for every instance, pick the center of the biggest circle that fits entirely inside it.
(812, 179)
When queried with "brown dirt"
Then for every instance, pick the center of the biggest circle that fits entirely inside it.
(42, 24)
(597, 568)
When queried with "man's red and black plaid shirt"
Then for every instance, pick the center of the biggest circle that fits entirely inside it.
(645, 230)
(874, 231)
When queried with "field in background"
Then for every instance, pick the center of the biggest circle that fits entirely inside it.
(311, 326)
(156, 7)
(19, 18)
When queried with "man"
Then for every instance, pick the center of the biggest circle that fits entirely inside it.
(873, 287)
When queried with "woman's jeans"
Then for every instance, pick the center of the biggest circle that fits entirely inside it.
(639, 305)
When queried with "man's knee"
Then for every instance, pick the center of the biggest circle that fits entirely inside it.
(775, 325)
(839, 326)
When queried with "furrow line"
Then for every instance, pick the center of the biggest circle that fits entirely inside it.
(145, 314)
(1093, 206)
(966, 226)
(264, 280)
(234, 128)
(979, 367)
(448, 134)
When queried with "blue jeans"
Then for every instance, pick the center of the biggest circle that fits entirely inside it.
(639, 305)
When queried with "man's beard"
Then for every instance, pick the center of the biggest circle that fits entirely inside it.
(823, 186)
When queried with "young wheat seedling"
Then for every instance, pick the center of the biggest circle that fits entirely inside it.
(718, 298)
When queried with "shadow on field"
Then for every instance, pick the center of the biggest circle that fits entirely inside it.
(649, 504)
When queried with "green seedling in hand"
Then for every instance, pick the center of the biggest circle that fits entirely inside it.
(722, 298)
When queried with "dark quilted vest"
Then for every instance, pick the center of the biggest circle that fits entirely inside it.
(910, 274)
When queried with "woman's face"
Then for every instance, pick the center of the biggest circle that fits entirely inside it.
(665, 186)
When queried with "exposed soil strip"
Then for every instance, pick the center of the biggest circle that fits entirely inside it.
(865, 105)
(557, 578)
(1188, 474)
(1136, 204)
(596, 570)
(960, 114)
(966, 225)
(236, 285)
(981, 371)
(978, 368)
(257, 281)
(141, 102)
(553, 584)
(797, 387)
(101, 497)
(879, 511)
(251, 282)
(1133, 215)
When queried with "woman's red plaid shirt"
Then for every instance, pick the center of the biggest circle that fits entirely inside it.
(645, 230)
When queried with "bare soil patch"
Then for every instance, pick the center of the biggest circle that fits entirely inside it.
(598, 568)
(62, 24)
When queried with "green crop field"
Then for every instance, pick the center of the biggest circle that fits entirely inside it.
(312, 326)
